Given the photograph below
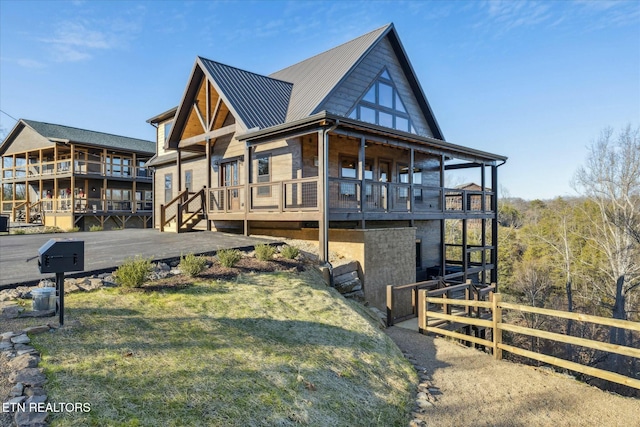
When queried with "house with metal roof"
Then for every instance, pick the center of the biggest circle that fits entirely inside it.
(68, 177)
(342, 148)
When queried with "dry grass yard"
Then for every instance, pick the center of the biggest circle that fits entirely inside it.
(261, 349)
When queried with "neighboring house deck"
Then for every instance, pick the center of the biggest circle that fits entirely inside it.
(342, 148)
(68, 177)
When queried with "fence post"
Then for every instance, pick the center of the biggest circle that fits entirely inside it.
(497, 332)
(162, 218)
(389, 305)
(422, 310)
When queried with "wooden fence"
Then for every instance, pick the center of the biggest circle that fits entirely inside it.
(497, 323)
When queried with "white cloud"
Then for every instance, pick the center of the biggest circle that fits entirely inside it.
(506, 15)
(74, 41)
(29, 63)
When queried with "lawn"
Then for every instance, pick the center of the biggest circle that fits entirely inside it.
(273, 349)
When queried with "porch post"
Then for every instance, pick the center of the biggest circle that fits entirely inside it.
(361, 173)
(323, 195)
(494, 226)
(411, 163)
(72, 168)
(443, 198)
(208, 156)
(179, 164)
(247, 180)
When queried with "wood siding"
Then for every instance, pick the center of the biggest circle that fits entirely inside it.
(27, 140)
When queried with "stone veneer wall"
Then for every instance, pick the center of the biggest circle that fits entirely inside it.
(390, 259)
(386, 256)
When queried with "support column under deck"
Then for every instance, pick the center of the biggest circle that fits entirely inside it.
(494, 226)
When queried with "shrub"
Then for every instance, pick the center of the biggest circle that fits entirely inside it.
(289, 252)
(133, 273)
(72, 230)
(95, 228)
(229, 257)
(192, 264)
(19, 231)
(265, 252)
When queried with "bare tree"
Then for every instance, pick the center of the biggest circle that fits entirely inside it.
(556, 229)
(610, 178)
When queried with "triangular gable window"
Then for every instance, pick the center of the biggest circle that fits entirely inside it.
(381, 105)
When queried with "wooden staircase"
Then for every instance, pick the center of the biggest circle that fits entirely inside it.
(183, 213)
(28, 213)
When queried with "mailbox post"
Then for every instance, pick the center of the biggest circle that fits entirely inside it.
(60, 256)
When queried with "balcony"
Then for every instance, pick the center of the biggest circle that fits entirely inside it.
(63, 168)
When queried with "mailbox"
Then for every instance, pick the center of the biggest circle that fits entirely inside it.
(61, 256)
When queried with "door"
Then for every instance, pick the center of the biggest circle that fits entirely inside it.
(230, 179)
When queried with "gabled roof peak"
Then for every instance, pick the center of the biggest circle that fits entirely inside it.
(371, 34)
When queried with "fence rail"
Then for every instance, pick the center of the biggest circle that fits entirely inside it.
(497, 324)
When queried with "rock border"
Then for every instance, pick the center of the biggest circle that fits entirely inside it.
(27, 379)
(426, 392)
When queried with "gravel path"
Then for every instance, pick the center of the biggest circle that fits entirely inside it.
(476, 390)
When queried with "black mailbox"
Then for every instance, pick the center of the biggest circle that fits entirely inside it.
(61, 256)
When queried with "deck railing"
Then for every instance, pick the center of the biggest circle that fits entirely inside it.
(345, 195)
(283, 196)
(226, 199)
(54, 168)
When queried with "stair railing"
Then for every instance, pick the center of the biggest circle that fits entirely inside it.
(190, 208)
(169, 212)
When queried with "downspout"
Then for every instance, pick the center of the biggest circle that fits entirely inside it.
(325, 196)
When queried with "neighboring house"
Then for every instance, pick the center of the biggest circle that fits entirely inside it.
(454, 199)
(342, 148)
(68, 177)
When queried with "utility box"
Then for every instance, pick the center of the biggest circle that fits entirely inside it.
(61, 256)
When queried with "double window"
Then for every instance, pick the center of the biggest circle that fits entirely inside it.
(382, 105)
(349, 169)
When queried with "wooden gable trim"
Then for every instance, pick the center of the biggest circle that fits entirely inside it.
(201, 90)
(213, 134)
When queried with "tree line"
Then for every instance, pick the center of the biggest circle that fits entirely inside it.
(581, 254)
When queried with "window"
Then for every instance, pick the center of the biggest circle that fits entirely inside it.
(382, 105)
(144, 200)
(118, 199)
(403, 177)
(188, 180)
(348, 169)
(264, 174)
(168, 187)
(167, 130)
(142, 171)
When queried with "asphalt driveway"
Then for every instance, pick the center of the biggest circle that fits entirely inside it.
(105, 250)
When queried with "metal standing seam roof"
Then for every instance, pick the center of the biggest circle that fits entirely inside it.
(260, 101)
(314, 78)
(100, 139)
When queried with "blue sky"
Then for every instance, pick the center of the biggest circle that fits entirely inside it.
(535, 81)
